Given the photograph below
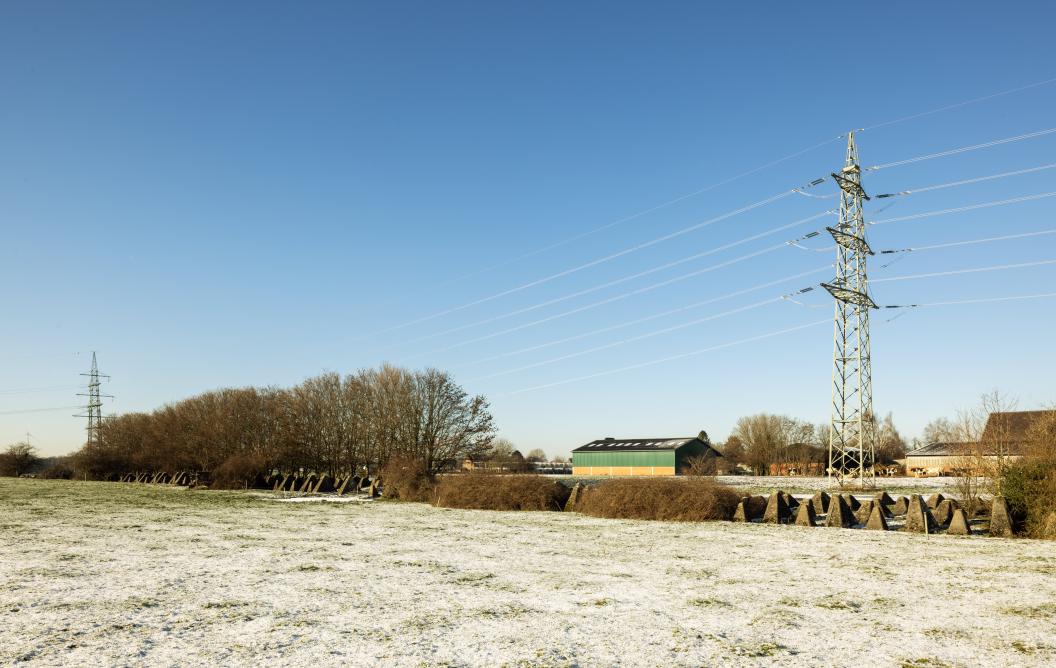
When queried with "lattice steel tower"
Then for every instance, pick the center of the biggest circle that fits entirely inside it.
(94, 409)
(852, 429)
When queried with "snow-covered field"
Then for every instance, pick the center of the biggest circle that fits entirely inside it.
(808, 484)
(123, 574)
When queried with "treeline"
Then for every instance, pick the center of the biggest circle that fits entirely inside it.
(330, 424)
(777, 444)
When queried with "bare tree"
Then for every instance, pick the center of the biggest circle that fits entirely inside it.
(889, 442)
(699, 465)
(17, 459)
(984, 444)
(327, 424)
(451, 425)
(535, 456)
(767, 439)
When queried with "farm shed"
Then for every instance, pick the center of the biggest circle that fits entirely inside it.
(640, 456)
(938, 459)
(1002, 439)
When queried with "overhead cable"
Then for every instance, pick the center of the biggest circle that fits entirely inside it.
(38, 410)
(637, 321)
(671, 358)
(952, 244)
(594, 263)
(997, 267)
(744, 174)
(977, 179)
(643, 212)
(983, 300)
(959, 105)
(963, 149)
(29, 390)
(624, 279)
(621, 342)
(970, 207)
(753, 306)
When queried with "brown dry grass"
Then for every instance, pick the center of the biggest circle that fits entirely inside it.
(501, 492)
(673, 499)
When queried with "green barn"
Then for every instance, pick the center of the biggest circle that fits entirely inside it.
(640, 456)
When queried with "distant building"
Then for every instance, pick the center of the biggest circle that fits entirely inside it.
(641, 456)
(940, 459)
(1003, 438)
(514, 462)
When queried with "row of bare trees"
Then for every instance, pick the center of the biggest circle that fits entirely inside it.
(768, 443)
(328, 424)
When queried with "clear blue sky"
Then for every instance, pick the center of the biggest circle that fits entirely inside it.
(230, 194)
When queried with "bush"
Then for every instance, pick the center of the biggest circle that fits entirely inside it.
(18, 459)
(406, 479)
(481, 491)
(675, 499)
(1029, 484)
(238, 472)
(57, 468)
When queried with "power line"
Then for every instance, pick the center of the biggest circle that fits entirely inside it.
(741, 175)
(970, 207)
(623, 279)
(669, 358)
(672, 328)
(592, 263)
(696, 273)
(30, 390)
(701, 191)
(654, 316)
(38, 410)
(997, 267)
(640, 337)
(716, 219)
(971, 242)
(959, 104)
(983, 300)
(977, 179)
(639, 214)
(963, 149)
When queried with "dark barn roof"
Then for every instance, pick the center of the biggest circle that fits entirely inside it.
(942, 450)
(643, 444)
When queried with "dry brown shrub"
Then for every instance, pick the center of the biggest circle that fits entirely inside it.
(501, 492)
(672, 499)
(237, 472)
(699, 465)
(1029, 484)
(406, 479)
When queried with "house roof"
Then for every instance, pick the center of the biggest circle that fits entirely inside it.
(1011, 425)
(638, 444)
(942, 450)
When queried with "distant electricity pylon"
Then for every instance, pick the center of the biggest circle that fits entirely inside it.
(94, 409)
(852, 429)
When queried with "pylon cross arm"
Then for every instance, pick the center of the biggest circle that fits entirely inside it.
(850, 187)
(850, 296)
(850, 241)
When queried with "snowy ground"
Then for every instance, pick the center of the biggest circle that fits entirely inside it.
(809, 485)
(122, 574)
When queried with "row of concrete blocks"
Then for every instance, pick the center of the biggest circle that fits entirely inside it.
(160, 478)
(845, 511)
(324, 484)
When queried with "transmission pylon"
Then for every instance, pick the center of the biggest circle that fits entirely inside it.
(851, 430)
(94, 408)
